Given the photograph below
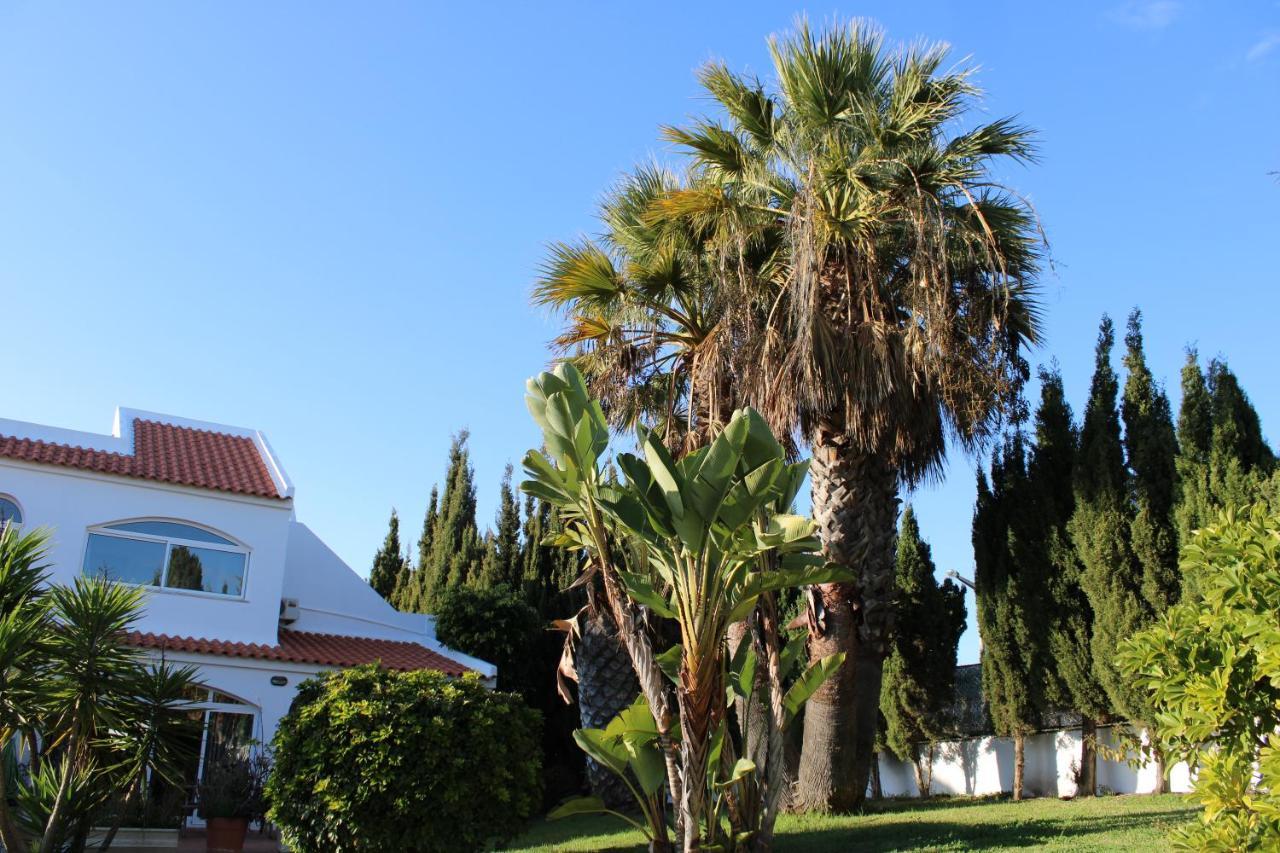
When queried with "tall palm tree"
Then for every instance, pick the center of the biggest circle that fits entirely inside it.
(899, 316)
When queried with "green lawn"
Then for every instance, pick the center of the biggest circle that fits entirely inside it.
(1104, 823)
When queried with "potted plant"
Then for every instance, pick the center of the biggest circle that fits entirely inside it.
(229, 798)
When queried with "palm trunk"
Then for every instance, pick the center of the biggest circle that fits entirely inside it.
(1088, 757)
(652, 682)
(1019, 763)
(855, 505)
(606, 687)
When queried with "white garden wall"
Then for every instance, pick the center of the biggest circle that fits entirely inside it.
(984, 765)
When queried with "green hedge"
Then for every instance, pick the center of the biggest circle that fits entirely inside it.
(369, 759)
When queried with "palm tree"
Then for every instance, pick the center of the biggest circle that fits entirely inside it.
(645, 311)
(899, 316)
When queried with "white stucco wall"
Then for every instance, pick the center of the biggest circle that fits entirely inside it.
(69, 502)
(983, 766)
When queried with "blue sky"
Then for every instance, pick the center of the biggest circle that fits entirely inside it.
(324, 220)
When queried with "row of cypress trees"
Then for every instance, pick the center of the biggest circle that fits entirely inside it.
(453, 552)
(1076, 533)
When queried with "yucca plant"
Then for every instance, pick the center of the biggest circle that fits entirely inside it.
(702, 542)
(92, 714)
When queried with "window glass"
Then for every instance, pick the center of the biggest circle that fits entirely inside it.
(224, 699)
(171, 530)
(205, 569)
(9, 512)
(127, 560)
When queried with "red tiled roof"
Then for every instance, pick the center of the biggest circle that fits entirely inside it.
(170, 454)
(311, 648)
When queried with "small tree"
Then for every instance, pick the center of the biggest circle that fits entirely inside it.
(919, 676)
(1069, 616)
(1012, 601)
(1222, 458)
(1210, 667)
(1101, 528)
(370, 759)
(388, 562)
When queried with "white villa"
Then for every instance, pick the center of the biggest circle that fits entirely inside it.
(202, 516)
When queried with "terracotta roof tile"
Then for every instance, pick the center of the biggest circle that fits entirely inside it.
(170, 454)
(308, 647)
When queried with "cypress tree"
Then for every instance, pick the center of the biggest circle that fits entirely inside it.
(387, 562)
(1011, 601)
(1223, 460)
(919, 674)
(547, 570)
(1069, 617)
(1152, 451)
(1237, 430)
(428, 529)
(503, 556)
(455, 548)
(1101, 529)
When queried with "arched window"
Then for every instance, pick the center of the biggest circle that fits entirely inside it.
(10, 512)
(167, 554)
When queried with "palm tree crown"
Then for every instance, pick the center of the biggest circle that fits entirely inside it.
(907, 290)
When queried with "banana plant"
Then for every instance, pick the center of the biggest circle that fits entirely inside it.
(629, 747)
(708, 538)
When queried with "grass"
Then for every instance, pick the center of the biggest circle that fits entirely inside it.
(1080, 826)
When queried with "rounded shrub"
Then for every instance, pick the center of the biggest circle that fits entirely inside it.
(369, 759)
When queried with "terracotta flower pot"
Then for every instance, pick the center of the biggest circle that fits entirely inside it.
(225, 834)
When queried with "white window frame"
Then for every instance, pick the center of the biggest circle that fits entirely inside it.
(169, 543)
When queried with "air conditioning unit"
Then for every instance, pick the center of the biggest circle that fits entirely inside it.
(288, 611)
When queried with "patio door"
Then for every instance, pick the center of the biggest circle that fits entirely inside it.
(229, 728)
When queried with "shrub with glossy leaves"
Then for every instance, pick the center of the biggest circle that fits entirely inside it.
(370, 759)
(1212, 667)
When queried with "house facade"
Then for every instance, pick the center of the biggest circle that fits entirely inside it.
(202, 517)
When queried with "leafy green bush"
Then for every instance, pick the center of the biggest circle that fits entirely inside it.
(369, 759)
(495, 625)
(1212, 667)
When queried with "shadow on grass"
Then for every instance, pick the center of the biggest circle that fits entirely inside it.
(883, 836)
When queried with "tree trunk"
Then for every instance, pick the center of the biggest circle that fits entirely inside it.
(917, 764)
(1019, 763)
(855, 505)
(1162, 772)
(877, 790)
(826, 755)
(701, 703)
(1088, 785)
(606, 687)
(923, 765)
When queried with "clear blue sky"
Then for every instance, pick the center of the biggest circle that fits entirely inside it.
(324, 220)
